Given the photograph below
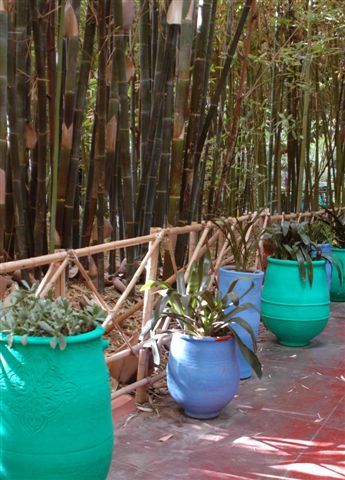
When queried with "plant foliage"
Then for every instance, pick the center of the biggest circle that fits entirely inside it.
(290, 241)
(243, 239)
(25, 314)
(200, 312)
(335, 220)
(320, 232)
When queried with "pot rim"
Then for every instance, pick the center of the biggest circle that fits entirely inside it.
(337, 249)
(294, 263)
(35, 340)
(231, 268)
(193, 338)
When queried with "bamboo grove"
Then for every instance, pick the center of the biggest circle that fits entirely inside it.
(141, 113)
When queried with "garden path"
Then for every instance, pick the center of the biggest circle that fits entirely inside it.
(289, 425)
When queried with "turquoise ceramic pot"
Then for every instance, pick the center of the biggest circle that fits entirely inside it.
(293, 310)
(338, 288)
(55, 410)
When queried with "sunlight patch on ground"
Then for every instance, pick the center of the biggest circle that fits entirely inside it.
(313, 470)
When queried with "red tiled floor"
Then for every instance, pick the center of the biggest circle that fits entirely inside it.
(289, 425)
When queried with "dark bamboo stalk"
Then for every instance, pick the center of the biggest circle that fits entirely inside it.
(39, 34)
(197, 96)
(56, 150)
(3, 119)
(180, 110)
(16, 109)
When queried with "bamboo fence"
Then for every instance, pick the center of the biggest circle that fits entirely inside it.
(202, 236)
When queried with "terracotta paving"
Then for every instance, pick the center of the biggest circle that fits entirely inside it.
(289, 425)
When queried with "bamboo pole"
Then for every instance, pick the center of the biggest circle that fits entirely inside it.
(153, 249)
(151, 274)
(192, 243)
(197, 249)
(143, 383)
(52, 268)
(54, 277)
(30, 263)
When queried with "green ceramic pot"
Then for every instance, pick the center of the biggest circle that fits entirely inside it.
(338, 288)
(292, 309)
(55, 409)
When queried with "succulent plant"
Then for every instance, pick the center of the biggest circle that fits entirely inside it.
(25, 314)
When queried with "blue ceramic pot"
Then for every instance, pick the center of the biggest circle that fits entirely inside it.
(227, 275)
(203, 373)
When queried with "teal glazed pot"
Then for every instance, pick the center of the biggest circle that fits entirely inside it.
(338, 288)
(55, 409)
(293, 310)
(226, 276)
(203, 373)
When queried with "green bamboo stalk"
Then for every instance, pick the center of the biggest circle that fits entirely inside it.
(71, 41)
(239, 98)
(39, 35)
(100, 139)
(316, 192)
(56, 149)
(164, 164)
(124, 130)
(84, 70)
(306, 101)
(3, 119)
(145, 79)
(180, 110)
(214, 105)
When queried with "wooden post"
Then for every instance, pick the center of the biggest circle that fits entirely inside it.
(151, 274)
(60, 283)
(192, 243)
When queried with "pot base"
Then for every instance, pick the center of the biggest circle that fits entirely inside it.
(293, 344)
(202, 416)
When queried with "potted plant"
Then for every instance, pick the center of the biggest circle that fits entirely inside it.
(295, 303)
(321, 233)
(243, 240)
(335, 220)
(55, 392)
(202, 371)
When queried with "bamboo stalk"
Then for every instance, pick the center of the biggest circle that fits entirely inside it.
(191, 244)
(140, 383)
(54, 277)
(3, 119)
(56, 148)
(152, 249)
(30, 263)
(197, 250)
(163, 340)
(52, 268)
(151, 274)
